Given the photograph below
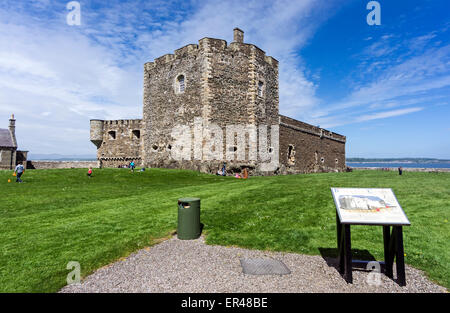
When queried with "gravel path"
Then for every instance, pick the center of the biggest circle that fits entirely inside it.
(192, 266)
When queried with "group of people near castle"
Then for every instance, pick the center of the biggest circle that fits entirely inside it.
(131, 165)
(19, 170)
(223, 172)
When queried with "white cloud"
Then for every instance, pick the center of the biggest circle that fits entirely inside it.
(386, 114)
(419, 77)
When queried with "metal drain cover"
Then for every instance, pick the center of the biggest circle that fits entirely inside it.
(264, 267)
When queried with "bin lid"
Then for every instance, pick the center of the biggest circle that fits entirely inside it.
(188, 199)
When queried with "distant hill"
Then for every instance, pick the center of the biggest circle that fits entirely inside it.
(60, 157)
(397, 160)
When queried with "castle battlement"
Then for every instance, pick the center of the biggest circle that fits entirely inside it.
(117, 122)
(188, 49)
(310, 129)
(208, 45)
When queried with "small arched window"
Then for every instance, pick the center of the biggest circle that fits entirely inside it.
(260, 88)
(181, 84)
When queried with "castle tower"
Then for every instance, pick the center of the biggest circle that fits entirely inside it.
(223, 85)
(213, 103)
(97, 132)
(118, 142)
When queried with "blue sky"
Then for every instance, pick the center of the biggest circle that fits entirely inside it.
(386, 87)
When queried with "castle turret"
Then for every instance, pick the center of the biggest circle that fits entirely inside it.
(12, 129)
(238, 35)
(97, 132)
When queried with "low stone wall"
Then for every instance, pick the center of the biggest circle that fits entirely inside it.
(40, 165)
(405, 169)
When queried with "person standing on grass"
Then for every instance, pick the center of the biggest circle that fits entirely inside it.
(132, 166)
(224, 169)
(18, 172)
(400, 170)
(90, 172)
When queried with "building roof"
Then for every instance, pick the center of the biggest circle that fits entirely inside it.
(6, 140)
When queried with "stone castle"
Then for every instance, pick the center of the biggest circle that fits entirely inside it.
(9, 155)
(214, 92)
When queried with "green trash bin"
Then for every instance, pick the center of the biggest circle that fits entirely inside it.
(188, 218)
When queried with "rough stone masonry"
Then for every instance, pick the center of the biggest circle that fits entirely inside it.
(213, 93)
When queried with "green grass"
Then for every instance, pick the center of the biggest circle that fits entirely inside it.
(59, 216)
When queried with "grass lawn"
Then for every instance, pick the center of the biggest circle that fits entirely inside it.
(58, 216)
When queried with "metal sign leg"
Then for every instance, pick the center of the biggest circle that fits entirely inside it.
(400, 260)
(348, 254)
(393, 245)
(344, 251)
(340, 244)
(387, 254)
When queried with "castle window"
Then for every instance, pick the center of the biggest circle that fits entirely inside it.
(291, 155)
(260, 88)
(137, 134)
(180, 84)
(112, 135)
(322, 159)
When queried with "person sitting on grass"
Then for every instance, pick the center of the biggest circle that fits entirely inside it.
(19, 170)
(90, 172)
(244, 173)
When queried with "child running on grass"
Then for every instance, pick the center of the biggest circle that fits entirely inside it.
(18, 171)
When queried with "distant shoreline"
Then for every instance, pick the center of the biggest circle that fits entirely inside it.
(387, 162)
(405, 169)
(398, 160)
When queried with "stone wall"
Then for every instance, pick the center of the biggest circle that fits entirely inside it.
(220, 87)
(307, 149)
(61, 164)
(166, 106)
(118, 142)
(7, 158)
